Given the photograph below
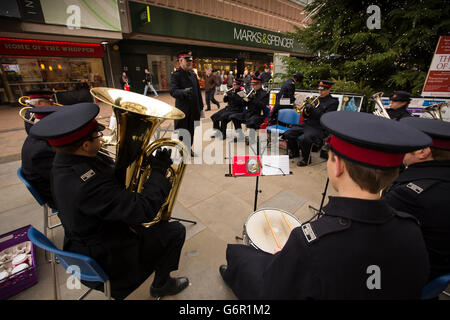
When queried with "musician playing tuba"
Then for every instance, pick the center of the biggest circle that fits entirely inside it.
(399, 104)
(35, 98)
(101, 218)
(235, 98)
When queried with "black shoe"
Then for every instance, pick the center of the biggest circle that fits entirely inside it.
(172, 287)
(302, 163)
(293, 155)
(222, 269)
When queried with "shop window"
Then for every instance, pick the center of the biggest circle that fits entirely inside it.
(21, 74)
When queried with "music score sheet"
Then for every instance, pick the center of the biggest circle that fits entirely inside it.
(275, 165)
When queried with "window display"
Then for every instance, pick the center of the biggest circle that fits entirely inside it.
(22, 74)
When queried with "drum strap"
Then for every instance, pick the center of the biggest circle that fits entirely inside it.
(322, 227)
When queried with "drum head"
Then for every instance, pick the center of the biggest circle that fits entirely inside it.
(258, 231)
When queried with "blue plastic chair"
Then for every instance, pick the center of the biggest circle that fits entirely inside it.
(435, 287)
(89, 270)
(41, 202)
(286, 116)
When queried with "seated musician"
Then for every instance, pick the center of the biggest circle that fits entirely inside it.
(255, 103)
(399, 102)
(37, 158)
(287, 91)
(102, 219)
(235, 100)
(310, 131)
(38, 98)
(423, 190)
(360, 248)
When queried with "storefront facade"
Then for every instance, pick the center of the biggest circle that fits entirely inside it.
(158, 33)
(48, 65)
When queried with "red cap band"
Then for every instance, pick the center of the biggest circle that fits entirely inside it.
(40, 115)
(74, 136)
(40, 96)
(367, 156)
(441, 144)
(184, 55)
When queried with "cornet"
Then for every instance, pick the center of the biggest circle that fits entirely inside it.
(379, 108)
(315, 102)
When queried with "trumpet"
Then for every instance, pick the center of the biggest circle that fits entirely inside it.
(250, 95)
(379, 108)
(315, 102)
(229, 90)
(435, 110)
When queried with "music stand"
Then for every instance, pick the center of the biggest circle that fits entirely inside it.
(257, 191)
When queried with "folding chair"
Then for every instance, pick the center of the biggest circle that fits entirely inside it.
(435, 287)
(40, 201)
(89, 270)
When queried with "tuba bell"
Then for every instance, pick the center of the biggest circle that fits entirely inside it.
(138, 117)
(435, 110)
(379, 108)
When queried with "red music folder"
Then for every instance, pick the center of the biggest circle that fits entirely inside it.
(246, 166)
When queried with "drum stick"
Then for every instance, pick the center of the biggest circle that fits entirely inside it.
(286, 220)
(273, 232)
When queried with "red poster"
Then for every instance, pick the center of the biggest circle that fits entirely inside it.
(437, 83)
(24, 47)
(246, 166)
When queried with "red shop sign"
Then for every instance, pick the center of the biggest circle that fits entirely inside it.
(23, 47)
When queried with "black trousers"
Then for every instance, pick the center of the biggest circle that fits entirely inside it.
(188, 124)
(209, 96)
(221, 119)
(309, 135)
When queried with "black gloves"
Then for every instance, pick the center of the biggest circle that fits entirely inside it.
(308, 109)
(187, 93)
(161, 160)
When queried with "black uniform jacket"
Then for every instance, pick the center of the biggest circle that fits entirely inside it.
(287, 91)
(339, 256)
(255, 106)
(180, 80)
(96, 212)
(423, 190)
(397, 114)
(327, 104)
(37, 160)
(235, 102)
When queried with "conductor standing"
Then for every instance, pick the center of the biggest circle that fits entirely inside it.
(184, 87)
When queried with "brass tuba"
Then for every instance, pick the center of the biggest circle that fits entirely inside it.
(25, 101)
(435, 110)
(138, 117)
(379, 108)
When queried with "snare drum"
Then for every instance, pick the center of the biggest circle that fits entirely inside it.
(257, 232)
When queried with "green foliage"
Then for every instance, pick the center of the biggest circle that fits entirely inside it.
(395, 57)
